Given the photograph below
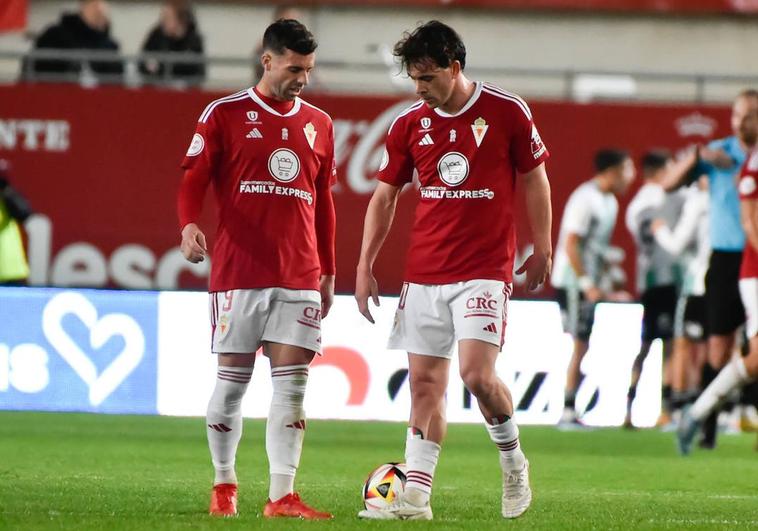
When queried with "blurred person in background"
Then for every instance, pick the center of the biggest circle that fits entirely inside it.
(658, 272)
(176, 31)
(589, 219)
(88, 29)
(281, 12)
(269, 156)
(721, 161)
(689, 240)
(471, 144)
(739, 370)
(14, 210)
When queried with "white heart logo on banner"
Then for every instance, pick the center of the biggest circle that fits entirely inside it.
(100, 331)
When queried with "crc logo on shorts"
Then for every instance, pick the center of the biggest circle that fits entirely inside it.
(484, 305)
(196, 146)
(311, 317)
(453, 168)
(283, 165)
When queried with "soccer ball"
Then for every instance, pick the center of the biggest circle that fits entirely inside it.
(383, 485)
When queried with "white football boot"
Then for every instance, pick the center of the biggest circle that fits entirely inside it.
(517, 495)
(401, 509)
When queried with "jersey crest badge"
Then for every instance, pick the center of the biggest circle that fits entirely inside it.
(252, 117)
(479, 127)
(310, 134)
(285, 133)
(426, 123)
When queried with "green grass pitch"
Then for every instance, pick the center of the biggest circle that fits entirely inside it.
(71, 471)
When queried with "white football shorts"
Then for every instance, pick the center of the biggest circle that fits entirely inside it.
(430, 319)
(242, 319)
(749, 294)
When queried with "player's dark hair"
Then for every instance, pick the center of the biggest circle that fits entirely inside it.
(609, 158)
(291, 35)
(748, 93)
(433, 42)
(654, 160)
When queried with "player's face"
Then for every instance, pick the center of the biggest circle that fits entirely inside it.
(434, 85)
(288, 73)
(624, 177)
(745, 119)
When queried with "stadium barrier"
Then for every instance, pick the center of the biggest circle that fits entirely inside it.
(146, 352)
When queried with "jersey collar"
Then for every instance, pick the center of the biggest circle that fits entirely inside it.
(295, 108)
(469, 103)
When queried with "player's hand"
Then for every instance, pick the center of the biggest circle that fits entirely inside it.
(657, 224)
(193, 244)
(326, 287)
(365, 287)
(717, 157)
(593, 294)
(537, 268)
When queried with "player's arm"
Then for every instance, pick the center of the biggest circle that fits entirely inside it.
(674, 242)
(379, 216)
(199, 165)
(749, 215)
(677, 173)
(539, 210)
(326, 225)
(574, 254)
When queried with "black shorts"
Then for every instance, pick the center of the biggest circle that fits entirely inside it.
(691, 318)
(659, 307)
(577, 313)
(722, 294)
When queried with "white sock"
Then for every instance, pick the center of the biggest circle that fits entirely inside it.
(285, 428)
(224, 420)
(732, 376)
(421, 458)
(504, 433)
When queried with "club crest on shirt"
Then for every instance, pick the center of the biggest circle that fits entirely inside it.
(426, 123)
(196, 146)
(283, 165)
(310, 133)
(285, 133)
(452, 168)
(479, 127)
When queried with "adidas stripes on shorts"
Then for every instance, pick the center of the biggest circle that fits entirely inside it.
(430, 319)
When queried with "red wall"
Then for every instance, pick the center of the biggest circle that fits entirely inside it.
(103, 166)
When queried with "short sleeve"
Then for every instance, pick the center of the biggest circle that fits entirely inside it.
(396, 167)
(577, 215)
(527, 148)
(748, 186)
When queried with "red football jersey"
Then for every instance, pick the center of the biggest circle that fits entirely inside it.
(269, 168)
(467, 165)
(748, 188)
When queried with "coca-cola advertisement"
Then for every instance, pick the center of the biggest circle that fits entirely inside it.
(100, 168)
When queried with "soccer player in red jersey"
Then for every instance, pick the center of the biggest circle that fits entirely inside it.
(270, 158)
(471, 143)
(739, 371)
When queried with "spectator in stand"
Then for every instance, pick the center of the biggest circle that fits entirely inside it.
(14, 210)
(284, 11)
(89, 29)
(176, 31)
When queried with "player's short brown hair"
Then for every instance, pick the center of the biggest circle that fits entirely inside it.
(433, 42)
(291, 35)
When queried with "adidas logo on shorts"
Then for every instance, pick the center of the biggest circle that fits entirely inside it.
(490, 328)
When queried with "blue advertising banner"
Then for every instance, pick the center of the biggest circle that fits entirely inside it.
(78, 350)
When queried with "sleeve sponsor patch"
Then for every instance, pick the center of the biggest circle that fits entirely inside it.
(752, 164)
(538, 148)
(385, 160)
(196, 146)
(747, 185)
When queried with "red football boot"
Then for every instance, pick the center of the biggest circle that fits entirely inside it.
(292, 506)
(224, 500)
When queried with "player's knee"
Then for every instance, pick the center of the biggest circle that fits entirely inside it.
(479, 383)
(426, 387)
